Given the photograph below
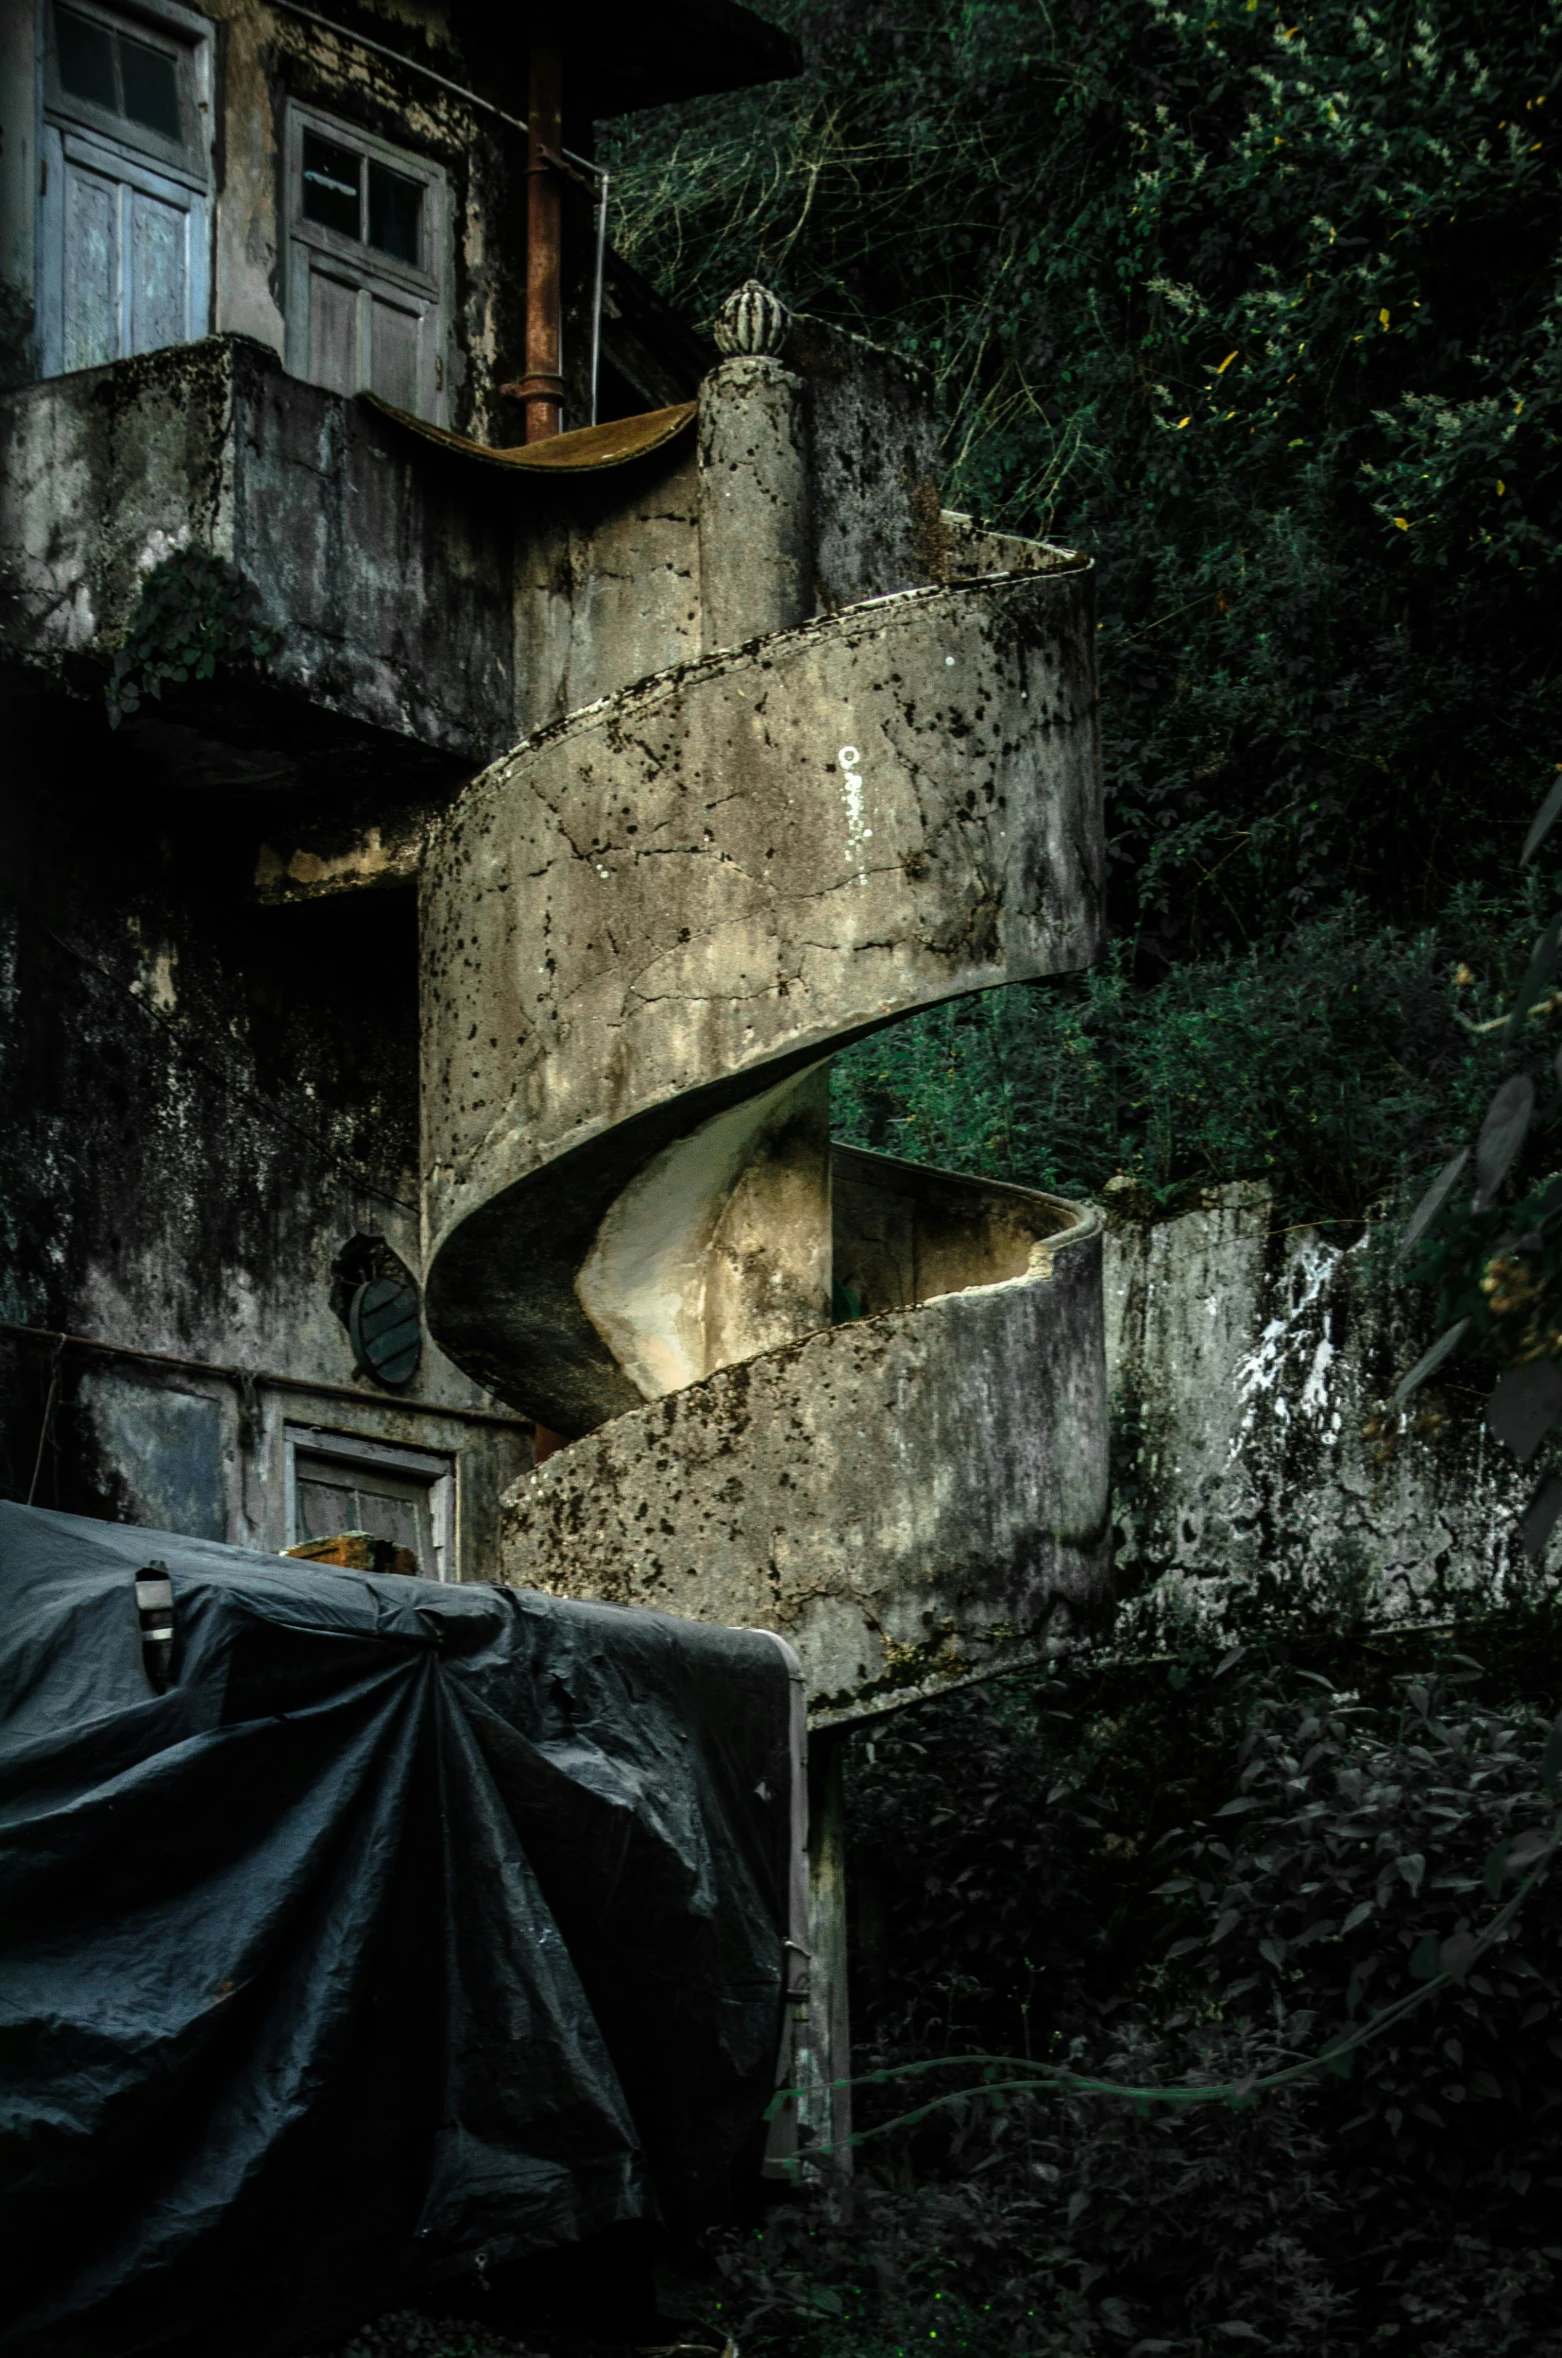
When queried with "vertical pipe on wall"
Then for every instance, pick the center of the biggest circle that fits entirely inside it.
(596, 292)
(541, 389)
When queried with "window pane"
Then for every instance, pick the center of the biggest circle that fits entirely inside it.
(331, 185)
(151, 84)
(395, 214)
(86, 59)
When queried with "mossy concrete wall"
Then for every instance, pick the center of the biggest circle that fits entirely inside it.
(1259, 1474)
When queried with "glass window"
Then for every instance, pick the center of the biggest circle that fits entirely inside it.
(123, 219)
(333, 1497)
(86, 59)
(366, 265)
(149, 85)
(338, 1484)
(110, 71)
(331, 186)
(395, 214)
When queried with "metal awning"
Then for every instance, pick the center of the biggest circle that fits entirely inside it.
(588, 450)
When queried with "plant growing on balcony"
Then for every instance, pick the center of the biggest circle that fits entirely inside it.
(196, 616)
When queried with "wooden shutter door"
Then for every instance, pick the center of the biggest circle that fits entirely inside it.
(333, 331)
(396, 342)
(159, 269)
(91, 266)
(122, 254)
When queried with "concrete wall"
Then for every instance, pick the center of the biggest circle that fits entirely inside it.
(199, 1100)
(1258, 1473)
(383, 567)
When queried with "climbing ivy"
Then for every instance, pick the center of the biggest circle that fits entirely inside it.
(196, 616)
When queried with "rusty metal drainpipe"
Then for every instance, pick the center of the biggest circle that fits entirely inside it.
(541, 389)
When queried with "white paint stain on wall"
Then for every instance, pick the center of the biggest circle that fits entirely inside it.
(858, 832)
(1255, 1456)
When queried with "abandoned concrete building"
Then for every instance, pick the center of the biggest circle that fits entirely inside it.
(477, 748)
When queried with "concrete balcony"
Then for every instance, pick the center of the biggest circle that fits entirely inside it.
(420, 614)
(384, 569)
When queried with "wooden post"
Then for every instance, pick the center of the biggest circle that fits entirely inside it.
(541, 389)
(824, 2042)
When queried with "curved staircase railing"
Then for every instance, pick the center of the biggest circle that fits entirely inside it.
(646, 931)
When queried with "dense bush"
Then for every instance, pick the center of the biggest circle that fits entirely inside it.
(1331, 1063)
(1261, 308)
(1171, 1875)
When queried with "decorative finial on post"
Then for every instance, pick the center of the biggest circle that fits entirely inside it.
(752, 322)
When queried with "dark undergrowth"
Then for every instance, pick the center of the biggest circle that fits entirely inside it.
(1180, 1872)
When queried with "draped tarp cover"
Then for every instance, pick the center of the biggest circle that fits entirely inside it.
(411, 1922)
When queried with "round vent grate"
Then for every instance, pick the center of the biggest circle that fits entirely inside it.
(387, 1335)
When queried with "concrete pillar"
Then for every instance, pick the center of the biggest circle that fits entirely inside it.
(755, 528)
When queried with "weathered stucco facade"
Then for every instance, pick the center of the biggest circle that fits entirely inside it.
(1261, 1477)
(484, 924)
(210, 938)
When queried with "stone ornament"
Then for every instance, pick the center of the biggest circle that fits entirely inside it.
(752, 321)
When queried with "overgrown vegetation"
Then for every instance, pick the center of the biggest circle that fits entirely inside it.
(1263, 310)
(1328, 1064)
(1183, 1872)
(196, 617)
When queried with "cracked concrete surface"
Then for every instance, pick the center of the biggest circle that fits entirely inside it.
(911, 1499)
(643, 935)
(670, 889)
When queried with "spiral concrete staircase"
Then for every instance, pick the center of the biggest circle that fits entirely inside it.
(646, 932)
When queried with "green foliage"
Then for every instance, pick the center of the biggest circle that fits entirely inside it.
(1208, 1876)
(1500, 1272)
(195, 617)
(1488, 1232)
(1332, 1064)
(1262, 309)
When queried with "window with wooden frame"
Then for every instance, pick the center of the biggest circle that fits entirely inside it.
(337, 1482)
(124, 227)
(367, 228)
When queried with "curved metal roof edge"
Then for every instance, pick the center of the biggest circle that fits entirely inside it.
(588, 450)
